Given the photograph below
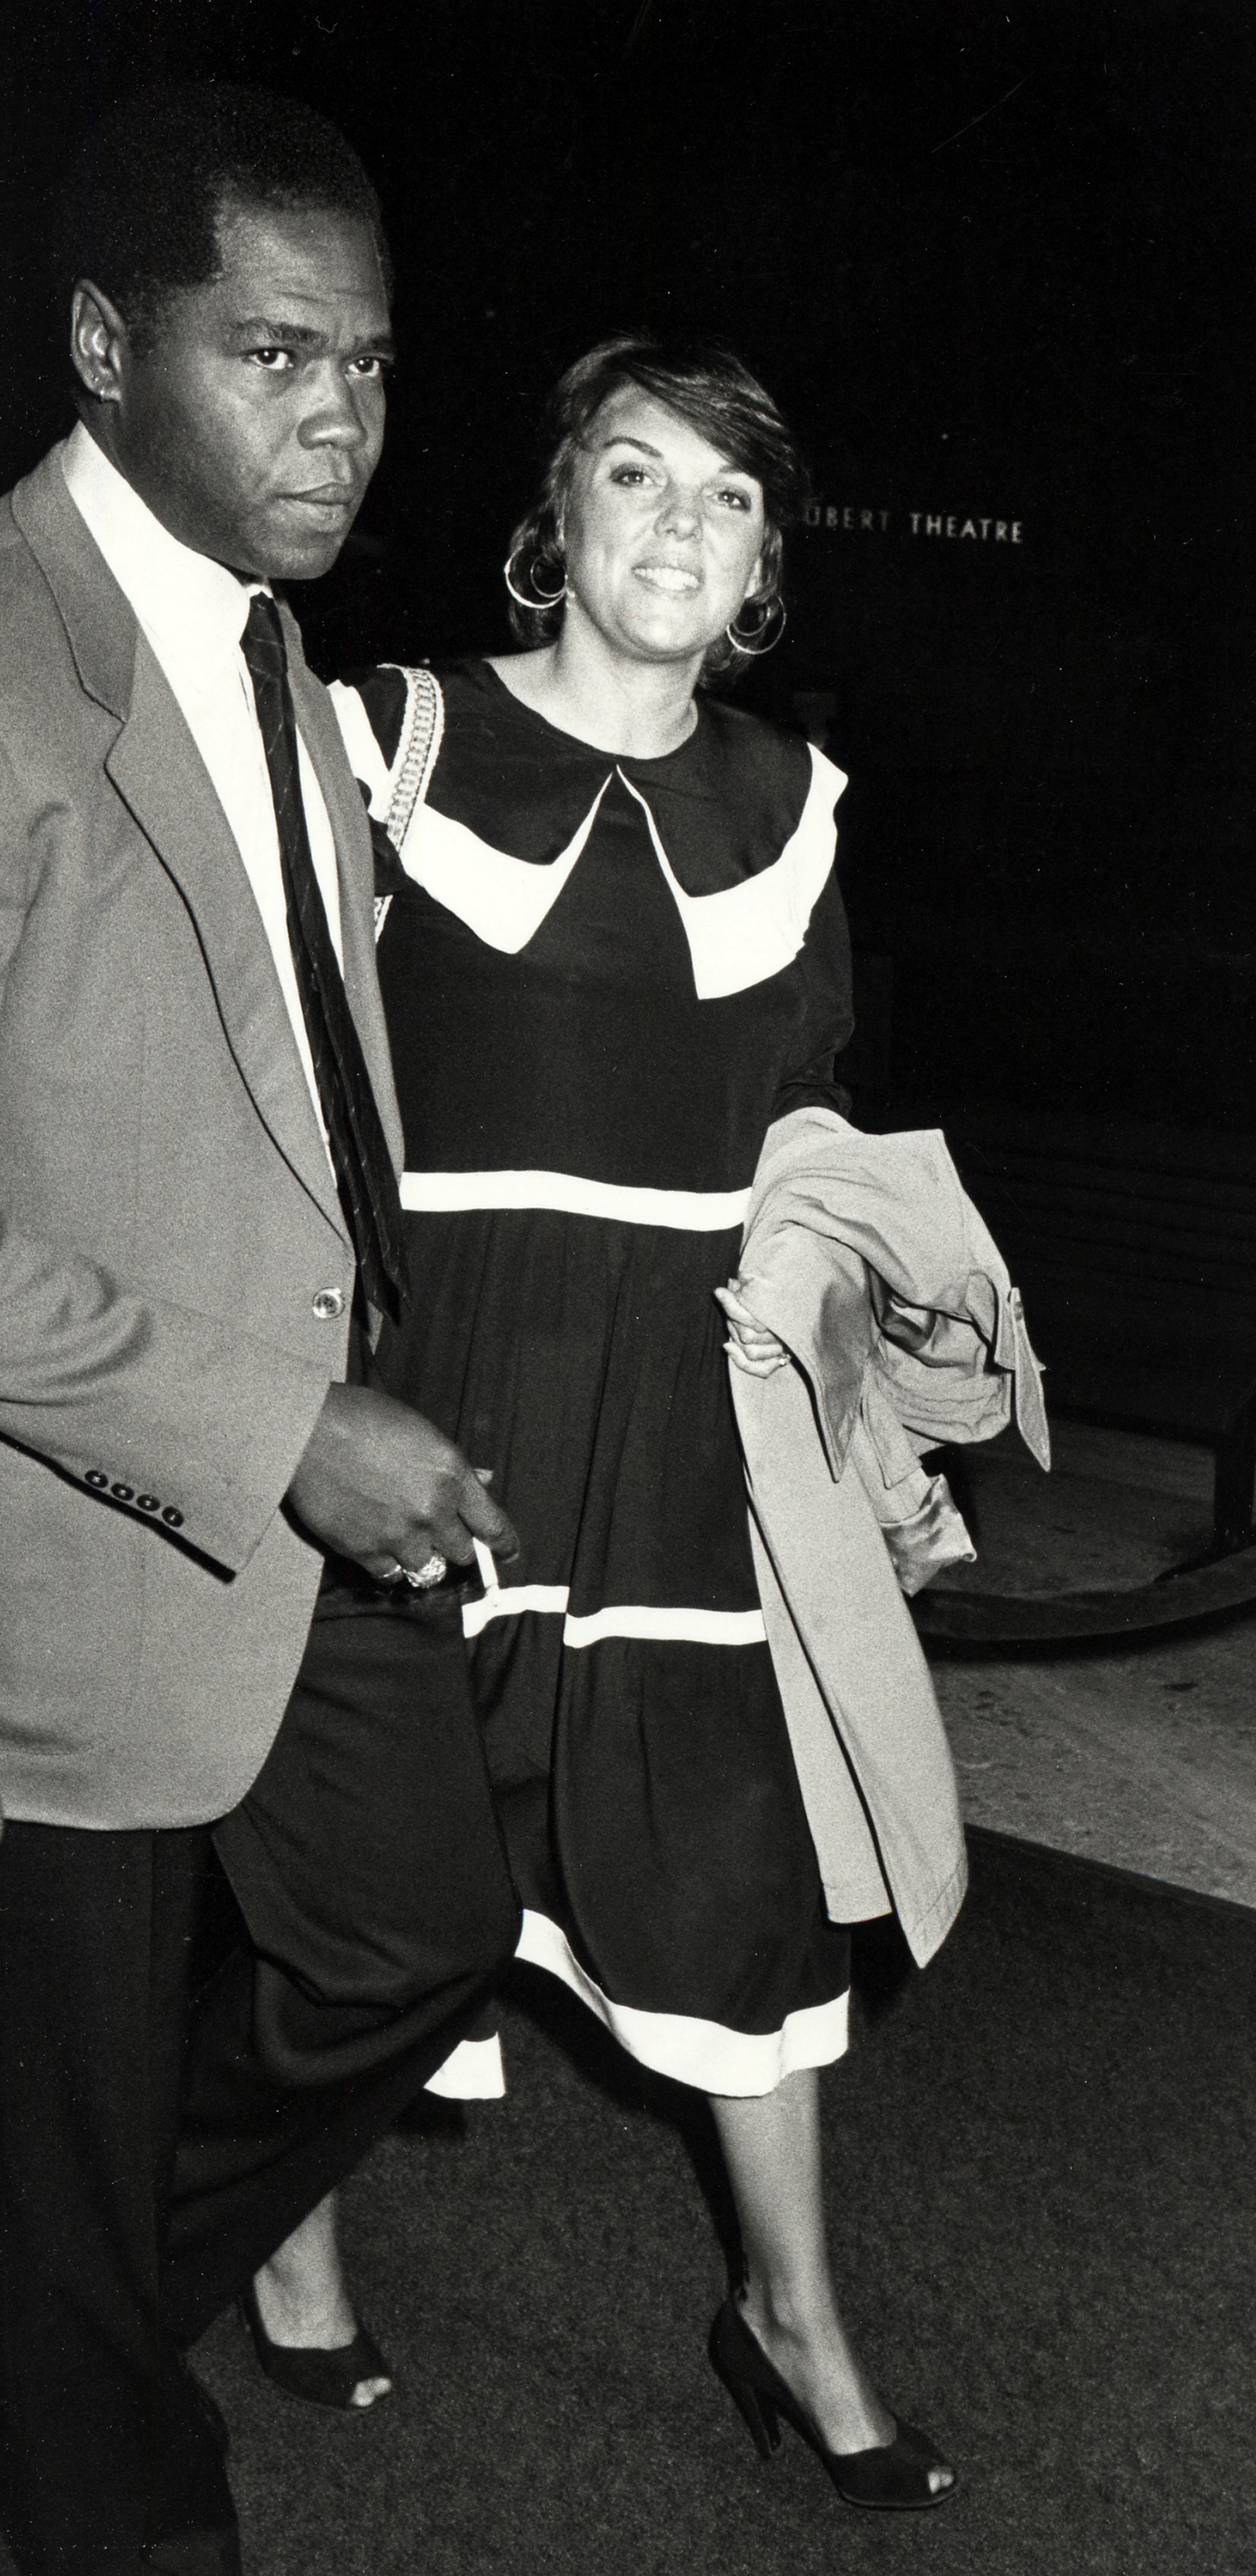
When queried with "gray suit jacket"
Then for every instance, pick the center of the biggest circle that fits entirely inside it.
(168, 1218)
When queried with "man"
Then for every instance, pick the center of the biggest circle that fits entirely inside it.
(199, 1231)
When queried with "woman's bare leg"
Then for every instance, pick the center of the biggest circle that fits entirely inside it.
(301, 2294)
(771, 2144)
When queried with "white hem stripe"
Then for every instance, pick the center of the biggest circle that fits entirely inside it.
(507, 1601)
(703, 2053)
(473, 2072)
(571, 1194)
(622, 1619)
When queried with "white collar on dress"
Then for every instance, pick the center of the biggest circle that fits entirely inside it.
(736, 938)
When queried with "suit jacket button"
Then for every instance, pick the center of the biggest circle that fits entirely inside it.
(328, 1304)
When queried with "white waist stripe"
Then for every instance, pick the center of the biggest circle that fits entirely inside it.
(690, 1211)
(686, 1627)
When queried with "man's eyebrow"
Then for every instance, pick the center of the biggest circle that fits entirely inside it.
(259, 327)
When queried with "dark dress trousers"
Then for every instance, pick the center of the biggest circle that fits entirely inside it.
(176, 1285)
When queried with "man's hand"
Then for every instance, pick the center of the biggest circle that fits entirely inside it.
(379, 1484)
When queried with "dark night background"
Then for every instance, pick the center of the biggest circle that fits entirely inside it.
(994, 262)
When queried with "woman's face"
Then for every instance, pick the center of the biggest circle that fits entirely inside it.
(662, 535)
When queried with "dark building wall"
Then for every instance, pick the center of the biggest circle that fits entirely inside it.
(995, 261)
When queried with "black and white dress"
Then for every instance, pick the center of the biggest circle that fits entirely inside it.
(603, 980)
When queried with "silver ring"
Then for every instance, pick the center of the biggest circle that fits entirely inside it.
(421, 1577)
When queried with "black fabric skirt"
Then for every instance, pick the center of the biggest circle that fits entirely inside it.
(636, 1742)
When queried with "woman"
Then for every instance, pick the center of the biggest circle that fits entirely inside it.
(616, 955)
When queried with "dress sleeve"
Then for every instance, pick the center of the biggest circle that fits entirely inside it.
(825, 1019)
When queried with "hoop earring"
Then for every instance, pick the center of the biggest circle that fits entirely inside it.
(751, 645)
(542, 599)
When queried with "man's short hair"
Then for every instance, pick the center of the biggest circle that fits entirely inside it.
(141, 212)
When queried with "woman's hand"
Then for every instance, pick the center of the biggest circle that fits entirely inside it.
(750, 1345)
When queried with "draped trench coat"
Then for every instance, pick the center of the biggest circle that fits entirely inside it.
(866, 1258)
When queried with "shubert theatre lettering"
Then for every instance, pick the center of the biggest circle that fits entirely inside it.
(844, 517)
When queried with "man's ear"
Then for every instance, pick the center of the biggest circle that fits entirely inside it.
(98, 342)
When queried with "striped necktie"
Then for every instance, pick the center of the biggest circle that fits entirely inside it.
(363, 1166)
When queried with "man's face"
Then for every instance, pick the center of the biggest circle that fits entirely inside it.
(254, 423)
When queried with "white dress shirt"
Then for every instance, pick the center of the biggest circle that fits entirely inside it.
(193, 612)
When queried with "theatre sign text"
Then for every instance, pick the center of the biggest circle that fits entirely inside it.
(843, 517)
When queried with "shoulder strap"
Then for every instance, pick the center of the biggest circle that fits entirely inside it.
(421, 728)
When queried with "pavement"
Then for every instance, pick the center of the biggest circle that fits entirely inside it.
(1140, 1755)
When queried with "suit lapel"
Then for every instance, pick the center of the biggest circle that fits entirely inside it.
(156, 768)
(159, 773)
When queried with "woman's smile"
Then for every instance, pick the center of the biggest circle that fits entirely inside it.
(677, 578)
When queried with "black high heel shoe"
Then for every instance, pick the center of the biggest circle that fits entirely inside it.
(320, 2376)
(894, 2477)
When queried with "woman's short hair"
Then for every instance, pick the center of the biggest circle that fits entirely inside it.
(704, 385)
